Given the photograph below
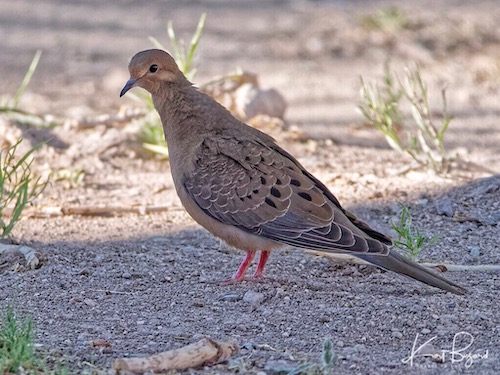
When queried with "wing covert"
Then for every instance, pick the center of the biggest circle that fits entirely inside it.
(249, 185)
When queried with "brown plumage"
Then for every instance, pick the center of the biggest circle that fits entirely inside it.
(241, 186)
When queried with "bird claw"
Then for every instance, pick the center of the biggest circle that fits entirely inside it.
(256, 278)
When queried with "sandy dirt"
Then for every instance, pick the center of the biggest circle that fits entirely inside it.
(150, 282)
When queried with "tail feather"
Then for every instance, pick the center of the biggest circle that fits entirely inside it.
(400, 264)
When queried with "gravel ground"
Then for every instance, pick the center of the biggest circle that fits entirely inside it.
(146, 283)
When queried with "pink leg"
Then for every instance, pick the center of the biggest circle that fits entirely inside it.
(240, 274)
(259, 272)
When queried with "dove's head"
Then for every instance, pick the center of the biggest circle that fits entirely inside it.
(152, 69)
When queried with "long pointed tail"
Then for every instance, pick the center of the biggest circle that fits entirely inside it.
(398, 263)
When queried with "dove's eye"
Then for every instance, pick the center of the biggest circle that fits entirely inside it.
(153, 68)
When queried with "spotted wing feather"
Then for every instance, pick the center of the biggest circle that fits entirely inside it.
(264, 191)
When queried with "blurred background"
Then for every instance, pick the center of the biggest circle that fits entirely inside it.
(312, 51)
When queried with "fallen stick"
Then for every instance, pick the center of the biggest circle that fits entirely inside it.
(111, 210)
(31, 256)
(464, 267)
(55, 211)
(440, 267)
(205, 352)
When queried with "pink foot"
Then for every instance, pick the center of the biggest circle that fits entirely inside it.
(250, 279)
(242, 269)
(259, 272)
(240, 273)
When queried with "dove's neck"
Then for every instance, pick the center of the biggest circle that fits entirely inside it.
(188, 117)
(176, 109)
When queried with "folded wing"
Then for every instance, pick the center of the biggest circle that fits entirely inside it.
(263, 190)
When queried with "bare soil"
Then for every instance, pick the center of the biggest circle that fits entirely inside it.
(147, 283)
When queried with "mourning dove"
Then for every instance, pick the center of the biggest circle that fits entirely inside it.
(235, 181)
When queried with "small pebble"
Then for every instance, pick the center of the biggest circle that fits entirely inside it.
(84, 272)
(444, 207)
(493, 219)
(198, 303)
(474, 251)
(397, 334)
(324, 318)
(89, 302)
(425, 331)
(254, 298)
(230, 297)
(249, 346)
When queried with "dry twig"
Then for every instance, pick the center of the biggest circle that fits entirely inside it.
(31, 256)
(205, 352)
(55, 211)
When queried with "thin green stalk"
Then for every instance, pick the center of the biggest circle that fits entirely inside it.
(26, 80)
(16, 343)
(410, 239)
(17, 349)
(17, 185)
(381, 108)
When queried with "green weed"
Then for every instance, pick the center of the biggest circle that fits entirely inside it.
(16, 343)
(70, 177)
(18, 186)
(424, 142)
(17, 349)
(10, 107)
(183, 56)
(410, 239)
(328, 360)
(391, 19)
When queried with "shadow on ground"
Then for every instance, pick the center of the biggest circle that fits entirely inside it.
(148, 294)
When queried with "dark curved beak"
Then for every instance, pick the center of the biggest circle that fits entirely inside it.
(130, 83)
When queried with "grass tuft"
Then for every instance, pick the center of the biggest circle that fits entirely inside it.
(18, 186)
(410, 239)
(184, 57)
(391, 19)
(422, 139)
(16, 343)
(17, 349)
(10, 108)
(328, 360)
(71, 178)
